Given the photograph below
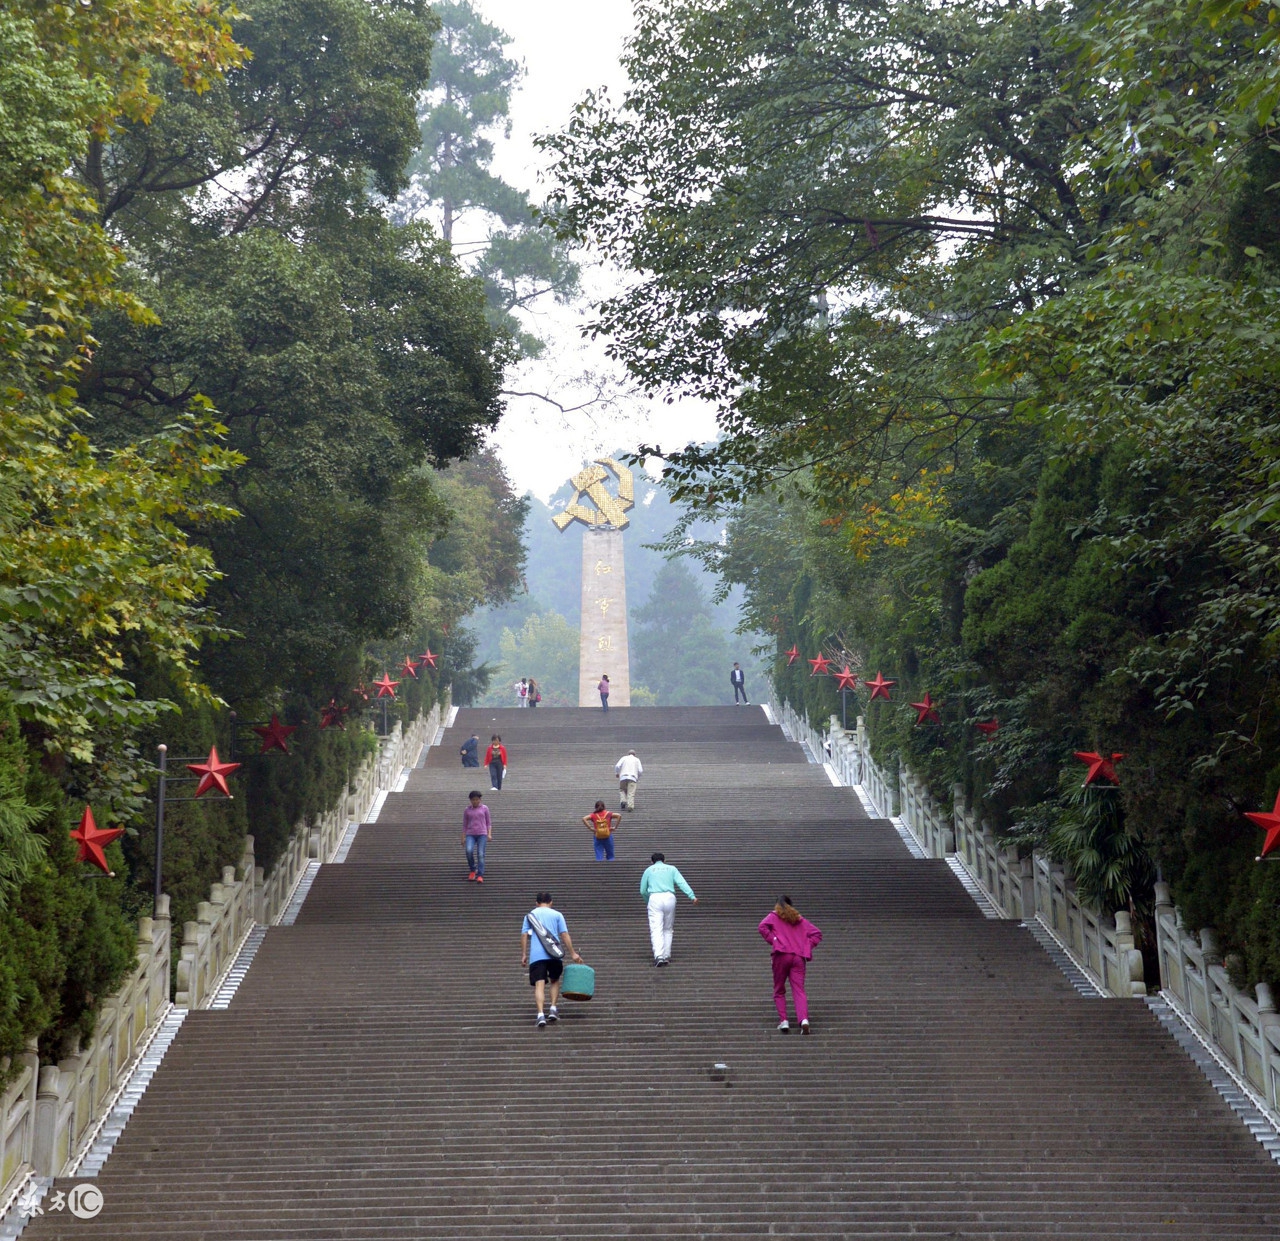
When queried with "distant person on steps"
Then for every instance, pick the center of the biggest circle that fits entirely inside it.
(603, 687)
(535, 694)
(659, 884)
(522, 692)
(495, 758)
(470, 751)
(793, 938)
(477, 831)
(543, 967)
(738, 679)
(602, 823)
(628, 770)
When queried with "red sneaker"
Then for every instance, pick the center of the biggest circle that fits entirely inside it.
(479, 878)
(472, 875)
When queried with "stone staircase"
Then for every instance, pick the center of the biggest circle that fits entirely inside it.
(377, 1074)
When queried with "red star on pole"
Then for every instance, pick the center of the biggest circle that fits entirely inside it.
(331, 716)
(92, 839)
(846, 679)
(927, 710)
(213, 773)
(275, 736)
(386, 687)
(428, 660)
(1099, 765)
(879, 687)
(819, 665)
(988, 728)
(1270, 823)
(792, 655)
(409, 667)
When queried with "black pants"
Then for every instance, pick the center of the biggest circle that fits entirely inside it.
(495, 774)
(739, 689)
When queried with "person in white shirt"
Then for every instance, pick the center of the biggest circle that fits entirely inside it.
(628, 770)
(522, 692)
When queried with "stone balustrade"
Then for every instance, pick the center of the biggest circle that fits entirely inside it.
(48, 1112)
(1244, 1031)
(1026, 888)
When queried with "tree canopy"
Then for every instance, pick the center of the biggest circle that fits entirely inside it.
(986, 295)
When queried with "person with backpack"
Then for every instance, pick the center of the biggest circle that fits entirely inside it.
(535, 694)
(544, 944)
(602, 824)
(793, 938)
(495, 758)
(477, 831)
(659, 884)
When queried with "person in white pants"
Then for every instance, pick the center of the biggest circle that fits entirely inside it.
(659, 884)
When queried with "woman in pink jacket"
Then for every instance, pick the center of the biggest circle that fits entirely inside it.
(793, 939)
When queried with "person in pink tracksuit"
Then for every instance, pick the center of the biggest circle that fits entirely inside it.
(793, 938)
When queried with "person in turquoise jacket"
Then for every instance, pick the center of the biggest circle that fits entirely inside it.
(659, 884)
(793, 938)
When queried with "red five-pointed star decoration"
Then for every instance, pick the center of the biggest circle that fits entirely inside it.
(91, 840)
(331, 716)
(275, 736)
(819, 665)
(846, 679)
(926, 710)
(213, 773)
(386, 687)
(1270, 823)
(428, 660)
(410, 667)
(1099, 765)
(879, 687)
(792, 655)
(988, 728)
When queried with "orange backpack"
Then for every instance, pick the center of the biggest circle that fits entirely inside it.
(604, 825)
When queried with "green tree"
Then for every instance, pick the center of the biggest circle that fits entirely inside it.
(546, 649)
(465, 107)
(677, 649)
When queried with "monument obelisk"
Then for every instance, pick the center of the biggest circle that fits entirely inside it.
(603, 646)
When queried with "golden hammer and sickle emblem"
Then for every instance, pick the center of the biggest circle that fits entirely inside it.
(608, 510)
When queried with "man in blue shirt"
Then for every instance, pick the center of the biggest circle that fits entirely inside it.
(659, 884)
(543, 967)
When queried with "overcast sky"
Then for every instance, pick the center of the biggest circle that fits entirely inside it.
(568, 47)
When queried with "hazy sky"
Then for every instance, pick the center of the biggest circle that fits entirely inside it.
(568, 47)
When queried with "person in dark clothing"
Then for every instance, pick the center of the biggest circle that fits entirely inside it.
(495, 758)
(738, 679)
(470, 751)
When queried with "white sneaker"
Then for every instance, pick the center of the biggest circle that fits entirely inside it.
(804, 1027)
(784, 1025)
(552, 1015)
(493, 788)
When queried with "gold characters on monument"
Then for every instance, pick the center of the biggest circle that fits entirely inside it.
(603, 648)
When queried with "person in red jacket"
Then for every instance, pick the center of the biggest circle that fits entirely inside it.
(793, 938)
(495, 758)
